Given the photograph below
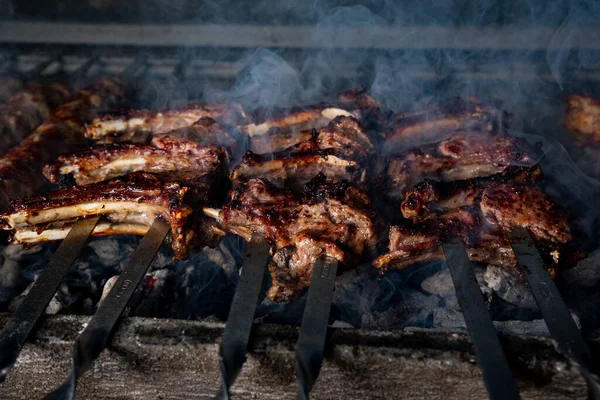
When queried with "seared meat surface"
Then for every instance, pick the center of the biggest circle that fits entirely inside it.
(167, 155)
(336, 151)
(296, 169)
(62, 132)
(322, 220)
(125, 126)
(186, 153)
(26, 110)
(480, 212)
(583, 118)
(433, 123)
(465, 155)
(127, 205)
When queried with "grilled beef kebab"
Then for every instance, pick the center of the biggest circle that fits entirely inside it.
(26, 110)
(9, 86)
(21, 167)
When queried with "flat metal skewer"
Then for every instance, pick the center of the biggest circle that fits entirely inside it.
(554, 310)
(239, 322)
(94, 338)
(23, 320)
(497, 376)
(313, 330)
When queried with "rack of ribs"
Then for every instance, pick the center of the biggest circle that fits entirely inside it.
(338, 151)
(434, 122)
(130, 124)
(464, 155)
(323, 219)
(186, 153)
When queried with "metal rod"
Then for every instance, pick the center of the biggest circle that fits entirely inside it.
(554, 310)
(313, 330)
(94, 338)
(19, 326)
(239, 322)
(497, 376)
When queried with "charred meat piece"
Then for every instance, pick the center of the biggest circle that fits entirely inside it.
(583, 118)
(127, 205)
(479, 214)
(337, 151)
(126, 125)
(26, 110)
(323, 220)
(21, 167)
(427, 199)
(185, 153)
(465, 155)
(294, 170)
(416, 244)
(168, 155)
(433, 123)
(280, 129)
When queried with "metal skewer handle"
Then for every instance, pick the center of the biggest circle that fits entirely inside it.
(497, 376)
(313, 330)
(94, 338)
(19, 326)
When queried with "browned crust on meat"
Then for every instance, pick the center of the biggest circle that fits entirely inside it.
(324, 219)
(435, 122)
(465, 155)
(139, 188)
(112, 127)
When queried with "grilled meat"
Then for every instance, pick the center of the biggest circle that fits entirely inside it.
(26, 110)
(336, 151)
(323, 220)
(583, 118)
(465, 155)
(294, 170)
(479, 214)
(427, 199)
(127, 205)
(125, 126)
(184, 153)
(433, 123)
(168, 155)
(21, 167)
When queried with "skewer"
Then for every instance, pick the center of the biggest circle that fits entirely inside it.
(497, 376)
(239, 322)
(19, 326)
(313, 330)
(94, 338)
(554, 310)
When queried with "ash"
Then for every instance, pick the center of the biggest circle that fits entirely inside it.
(203, 287)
